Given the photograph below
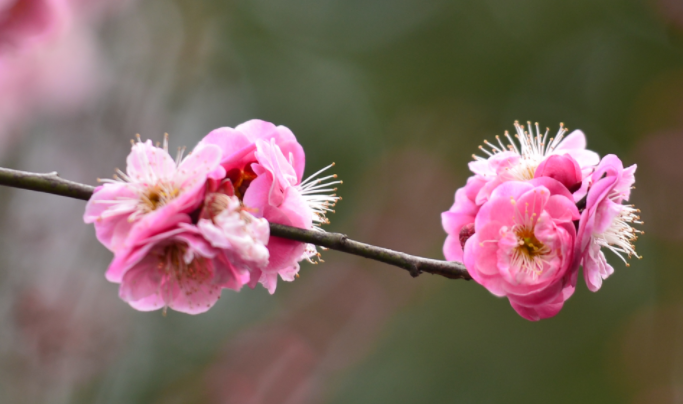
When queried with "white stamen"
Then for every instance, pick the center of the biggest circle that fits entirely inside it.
(620, 234)
(533, 148)
(313, 191)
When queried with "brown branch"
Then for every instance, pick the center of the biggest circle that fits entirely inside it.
(51, 183)
(340, 242)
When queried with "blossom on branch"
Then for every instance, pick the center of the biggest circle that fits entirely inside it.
(515, 223)
(519, 160)
(226, 224)
(523, 246)
(153, 188)
(606, 221)
(265, 164)
(182, 230)
(533, 155)
(177, 269)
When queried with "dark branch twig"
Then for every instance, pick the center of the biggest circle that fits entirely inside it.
(51, 183)
(337, 241)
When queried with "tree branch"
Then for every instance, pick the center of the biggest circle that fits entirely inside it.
(51, 183)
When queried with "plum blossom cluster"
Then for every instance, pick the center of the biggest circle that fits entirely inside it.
(536, 209)
(182, 230)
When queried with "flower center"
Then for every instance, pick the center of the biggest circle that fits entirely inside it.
(530, 253)
(157, 196)
(172, 261)
(241, 179)
(214, 204)
(528, 243)
(524, 170)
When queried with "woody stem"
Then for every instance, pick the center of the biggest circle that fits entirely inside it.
(51, 183)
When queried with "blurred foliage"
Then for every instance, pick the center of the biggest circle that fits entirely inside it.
(399, 93)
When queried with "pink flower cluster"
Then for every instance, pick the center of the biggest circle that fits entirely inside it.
(182, 230)
(537, 209)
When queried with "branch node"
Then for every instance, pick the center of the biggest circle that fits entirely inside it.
(414, 270)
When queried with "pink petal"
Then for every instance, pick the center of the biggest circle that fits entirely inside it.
(213, 234)
(488, 239)
(194, 297)
(575, 140)
(595, 268)
(452, 249)
(107, 192)
(198, 246)
(113, 229)
(293, 211)
(194, 168)
(532, 202)
(500, 210)
(254, 277)
(155, 226)
(141, 281)
(562, 168)
(257, 195)
(125, 259)
(284, 253)
(510, 189)
(471, 255)
(536, 313)
(270, 156)
(284, 138)
(562, 209)
(135, 249)
(269, 281)
(229, 140)
(625, 182)
(454, 221)
(147, 163)
(227, 275)
(149, 303)
(258, 129)
(585, 158)
(295, 208)
(552, 185)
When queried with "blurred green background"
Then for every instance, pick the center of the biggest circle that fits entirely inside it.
(399, 93)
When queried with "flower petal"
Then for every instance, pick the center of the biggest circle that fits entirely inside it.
(148, 164)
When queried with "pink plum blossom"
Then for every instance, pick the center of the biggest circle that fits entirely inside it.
(523, 246)
(564, 159)
(520, 162)
(562, 168)
(153, 191)
(606, 221)
(177, 268)
(227, 225)
(265, 165)
(458, 221)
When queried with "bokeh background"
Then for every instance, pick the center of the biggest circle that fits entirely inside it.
(399, 93)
